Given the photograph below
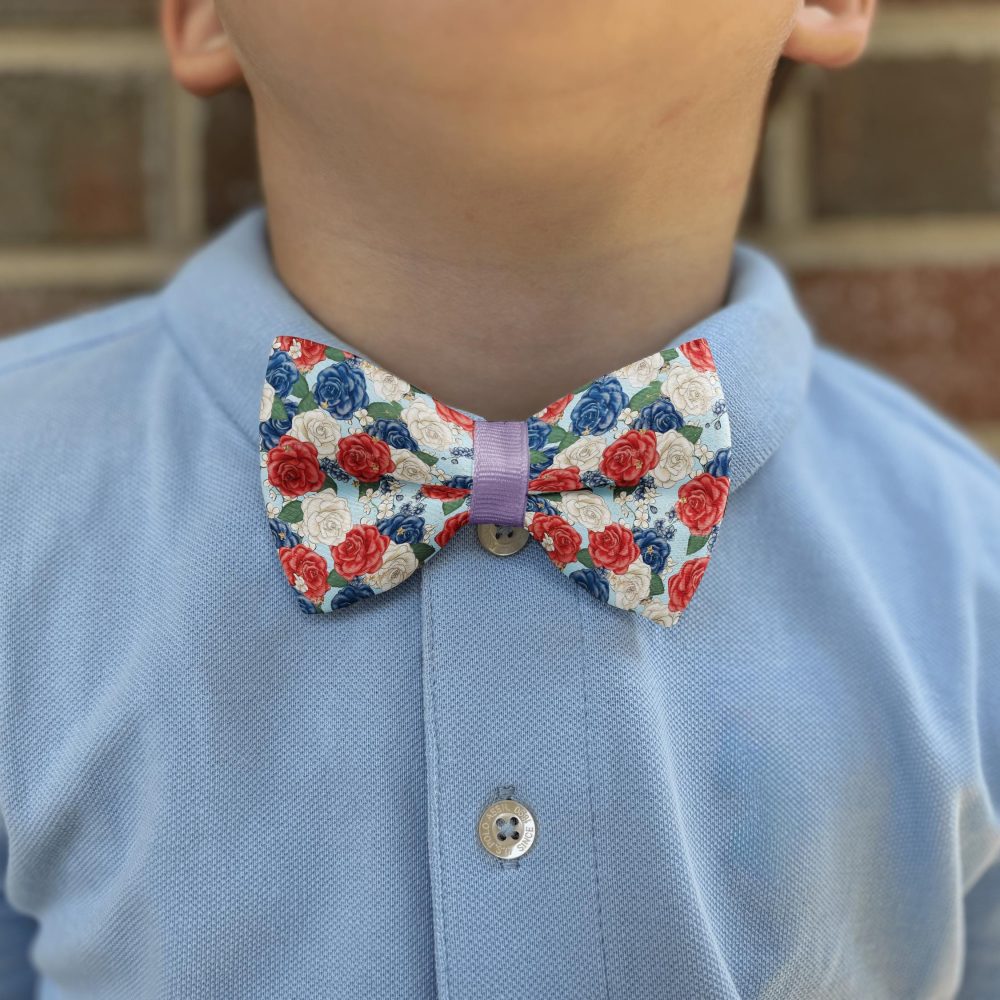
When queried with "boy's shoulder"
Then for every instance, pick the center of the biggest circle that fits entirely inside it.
(75, 365)
(865, 412)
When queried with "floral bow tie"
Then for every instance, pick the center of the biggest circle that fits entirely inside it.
(365, 477)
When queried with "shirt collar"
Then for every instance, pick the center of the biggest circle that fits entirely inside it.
(227, 304)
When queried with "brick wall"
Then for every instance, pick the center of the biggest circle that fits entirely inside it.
(878, 186)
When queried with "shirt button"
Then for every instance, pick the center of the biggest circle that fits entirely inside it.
(501, 539)
(507, 828)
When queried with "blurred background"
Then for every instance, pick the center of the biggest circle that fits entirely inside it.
(877, 186)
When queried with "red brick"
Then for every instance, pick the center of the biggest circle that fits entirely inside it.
(72, 165)
(934, 328)
(905, 136)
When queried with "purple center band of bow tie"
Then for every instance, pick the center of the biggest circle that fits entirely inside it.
(499, 472)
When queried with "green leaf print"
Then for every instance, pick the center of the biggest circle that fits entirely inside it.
(422, 550)
(696, 542)
(645, 396)
(291, 513)
(384, 411)
(691, 432)
(655, 585)
(308, 403)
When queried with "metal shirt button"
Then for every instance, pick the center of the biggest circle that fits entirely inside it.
(507, 828)
(501, 539)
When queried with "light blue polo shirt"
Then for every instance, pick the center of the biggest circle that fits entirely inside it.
(205, 793)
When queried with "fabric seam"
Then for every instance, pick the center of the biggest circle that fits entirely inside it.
(444, 970)
(590, 792)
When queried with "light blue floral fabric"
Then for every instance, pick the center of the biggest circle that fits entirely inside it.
(366, 477)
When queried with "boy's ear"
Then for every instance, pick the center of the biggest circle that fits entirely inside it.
(201, 57)
(830, 33)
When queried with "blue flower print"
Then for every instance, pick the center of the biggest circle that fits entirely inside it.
(653, 547)
(599, 407)
(538, 433)
(459, 482)
(591, 581)
(285, 536)
(394, 433)
(719, 466)
(660, 415)
(341, 389)
(271, 430)
(282, 373)
(595, 480)
(402, 528)
(350, 594)
(333, 470)
(306, 605)
(538, 503)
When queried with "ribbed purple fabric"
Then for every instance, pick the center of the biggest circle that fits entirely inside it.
(499, 472)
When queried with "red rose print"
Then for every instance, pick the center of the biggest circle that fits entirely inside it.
(364, 457)
(293, 466)
(554, 411)
(434, 491)
(564, 537)
(453, 416)
(701, 502)
(360, 552)
(682, 585)
(626, 460)
(310, 351)
(452, 525)
(699, 354)
(613, 548)
(556, 480)
(306, 570)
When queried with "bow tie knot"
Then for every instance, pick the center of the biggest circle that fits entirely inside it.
(623, 482)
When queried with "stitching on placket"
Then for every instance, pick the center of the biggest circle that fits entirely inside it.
(583, 660)
(432, 691)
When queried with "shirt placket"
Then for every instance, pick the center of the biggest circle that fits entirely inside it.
(506, 718)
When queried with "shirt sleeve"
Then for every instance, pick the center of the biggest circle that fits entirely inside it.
(17, 975)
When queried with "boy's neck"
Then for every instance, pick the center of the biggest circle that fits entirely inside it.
(499, 299)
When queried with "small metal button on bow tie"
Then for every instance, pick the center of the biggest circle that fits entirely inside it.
(365, 477)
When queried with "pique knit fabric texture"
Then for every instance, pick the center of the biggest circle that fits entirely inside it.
(791, 794)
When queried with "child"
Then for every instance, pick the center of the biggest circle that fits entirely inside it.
(471, 578)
